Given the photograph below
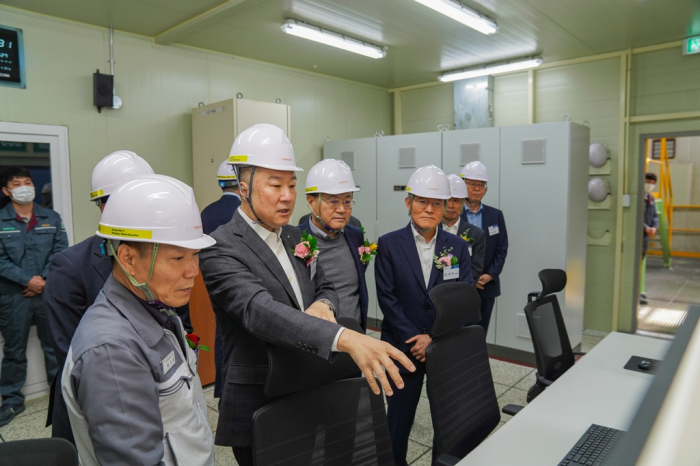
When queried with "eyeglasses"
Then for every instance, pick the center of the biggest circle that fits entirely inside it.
(423, 203)
(336, 203)
(475, 185)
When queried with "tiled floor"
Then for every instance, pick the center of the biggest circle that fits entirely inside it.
(669, 291)
(510, 380)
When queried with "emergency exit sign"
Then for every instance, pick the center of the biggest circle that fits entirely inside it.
(691, 45)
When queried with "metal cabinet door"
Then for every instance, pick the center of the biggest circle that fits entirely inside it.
(536, 203)
(361, 156)
(468, 145)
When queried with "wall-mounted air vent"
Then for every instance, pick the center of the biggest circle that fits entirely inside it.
(407, 157)
(349, 158)
(469, 153)
(533, 150)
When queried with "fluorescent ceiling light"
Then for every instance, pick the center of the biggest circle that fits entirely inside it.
(491, 69)
(463, 14)
(334, 39)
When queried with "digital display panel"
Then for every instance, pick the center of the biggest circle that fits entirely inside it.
(11, 57)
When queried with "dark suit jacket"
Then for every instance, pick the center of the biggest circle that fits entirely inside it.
(255, 305)
(352, 222)
(496, 249)
(219, 212)
(477, 240)
(401, 291)
(355, 238)
(76, 276)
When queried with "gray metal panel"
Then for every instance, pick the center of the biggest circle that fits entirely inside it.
(489, 154)
(489, 141)
(365, 176)
(391, 210)
(542, 204)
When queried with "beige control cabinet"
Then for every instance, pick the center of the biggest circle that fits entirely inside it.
(214, 127)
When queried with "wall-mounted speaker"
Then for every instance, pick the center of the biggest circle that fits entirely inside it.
(102, 90)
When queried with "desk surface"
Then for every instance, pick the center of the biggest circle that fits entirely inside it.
(597, 390)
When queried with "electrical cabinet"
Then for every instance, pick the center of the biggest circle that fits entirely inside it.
(470, 145)
(537, 176)
(544, 199)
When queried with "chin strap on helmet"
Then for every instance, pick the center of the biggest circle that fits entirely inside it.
(248, 195)
(141, 286)
(320, 220)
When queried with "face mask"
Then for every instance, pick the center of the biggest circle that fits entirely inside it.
(649, 187)
(23, 194)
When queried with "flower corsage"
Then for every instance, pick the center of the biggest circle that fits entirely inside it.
(193, 342)
(367, 250)
(446, 259)
(465, 236)
(307, 250)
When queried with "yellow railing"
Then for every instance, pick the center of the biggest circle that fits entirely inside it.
(665, 191)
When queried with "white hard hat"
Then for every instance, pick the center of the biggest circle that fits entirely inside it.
(115, 170)
(429, 181)
(46, 188)
(475, 171)
(457, 187)
(597, 155)
(226, 175)
(330, 176)
(154, 209)
(264, 146)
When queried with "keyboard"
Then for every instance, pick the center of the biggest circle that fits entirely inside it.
(593, 447)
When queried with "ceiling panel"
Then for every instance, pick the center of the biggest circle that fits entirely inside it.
(421, 42)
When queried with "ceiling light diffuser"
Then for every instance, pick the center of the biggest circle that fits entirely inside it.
(334, 39)
(491, 69)
(463, 14)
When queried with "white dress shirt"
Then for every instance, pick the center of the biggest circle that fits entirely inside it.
(426, 251)
(454, 228)
(273, 241)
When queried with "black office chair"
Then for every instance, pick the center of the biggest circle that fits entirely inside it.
(553, 352)
(291, 370)
(460, 386)
(339, 424)
(43, 451)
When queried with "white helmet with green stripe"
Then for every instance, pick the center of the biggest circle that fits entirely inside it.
(115, 170)
(152, 209)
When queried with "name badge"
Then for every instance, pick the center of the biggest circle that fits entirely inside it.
(450, 273)
(168, 362)
(313, 269)
(470, 250)
(493, 230)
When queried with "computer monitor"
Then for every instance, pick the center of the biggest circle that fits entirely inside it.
(665, 429)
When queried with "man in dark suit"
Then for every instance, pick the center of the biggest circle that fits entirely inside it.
(410, 262)
(329, 195)
(220, 212)
(492, 222)
(213, 216)
(77, 274)
(472, 234)
(266, 287)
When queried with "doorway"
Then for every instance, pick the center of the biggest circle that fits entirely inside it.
(43, 149)
(670, 273)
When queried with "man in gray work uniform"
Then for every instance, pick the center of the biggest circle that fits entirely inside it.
(30, 235)
(130, 380)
